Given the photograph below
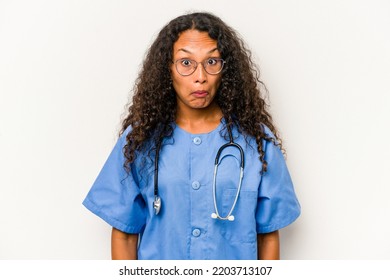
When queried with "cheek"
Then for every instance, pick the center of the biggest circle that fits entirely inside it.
(178, 82)
(217, 82)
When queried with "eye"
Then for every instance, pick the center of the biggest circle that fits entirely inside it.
(212, 61)
(186, 62)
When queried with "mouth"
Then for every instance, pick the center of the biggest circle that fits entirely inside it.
(200, 93)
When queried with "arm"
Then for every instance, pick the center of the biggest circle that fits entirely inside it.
(123, 245)
(268, 246)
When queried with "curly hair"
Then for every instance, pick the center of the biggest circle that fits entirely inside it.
(152, 112)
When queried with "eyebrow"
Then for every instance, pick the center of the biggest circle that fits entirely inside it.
(187, 51)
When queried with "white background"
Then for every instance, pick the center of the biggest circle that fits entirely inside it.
(66, 73)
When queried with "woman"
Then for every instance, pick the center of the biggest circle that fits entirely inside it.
(162, 189)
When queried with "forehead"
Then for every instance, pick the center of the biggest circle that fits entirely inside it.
(194, 42)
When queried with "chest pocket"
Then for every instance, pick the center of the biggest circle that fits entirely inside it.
(243, 228)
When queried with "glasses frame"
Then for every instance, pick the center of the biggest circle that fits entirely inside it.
(196, 64)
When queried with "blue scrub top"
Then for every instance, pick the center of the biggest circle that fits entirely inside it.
(184, 228)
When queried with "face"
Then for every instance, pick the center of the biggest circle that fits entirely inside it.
(198, 90)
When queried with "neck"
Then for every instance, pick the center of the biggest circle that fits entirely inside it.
(200, 120)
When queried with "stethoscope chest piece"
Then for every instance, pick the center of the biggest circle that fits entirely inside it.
(157, 204)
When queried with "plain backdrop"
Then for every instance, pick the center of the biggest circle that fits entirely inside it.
(66, 73)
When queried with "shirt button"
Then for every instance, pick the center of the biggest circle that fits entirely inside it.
(196, 232)
(197, 141)
(195, 185)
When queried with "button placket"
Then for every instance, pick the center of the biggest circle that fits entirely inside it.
(197, 221)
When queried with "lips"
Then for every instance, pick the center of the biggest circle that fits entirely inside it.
(200, 93)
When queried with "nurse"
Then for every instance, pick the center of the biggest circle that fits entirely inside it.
(198, 89)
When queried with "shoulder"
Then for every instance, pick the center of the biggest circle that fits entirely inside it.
(270, 137)
(123, 135)
(126, 131)
(267, 131)
(265, 134)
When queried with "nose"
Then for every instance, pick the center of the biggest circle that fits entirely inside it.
(200, 74)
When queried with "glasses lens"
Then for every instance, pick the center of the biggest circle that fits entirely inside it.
(185, 67)
(213, 65)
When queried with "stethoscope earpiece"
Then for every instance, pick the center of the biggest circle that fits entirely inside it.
(215, 216)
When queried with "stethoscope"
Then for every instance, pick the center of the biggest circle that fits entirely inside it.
(157, 199)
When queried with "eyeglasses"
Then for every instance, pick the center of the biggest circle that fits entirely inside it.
(186, 67)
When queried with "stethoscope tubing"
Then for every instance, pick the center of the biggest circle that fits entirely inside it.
(157, 199)
(216, 214)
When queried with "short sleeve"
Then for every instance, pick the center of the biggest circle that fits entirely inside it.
(278, 205)
(115, 196)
